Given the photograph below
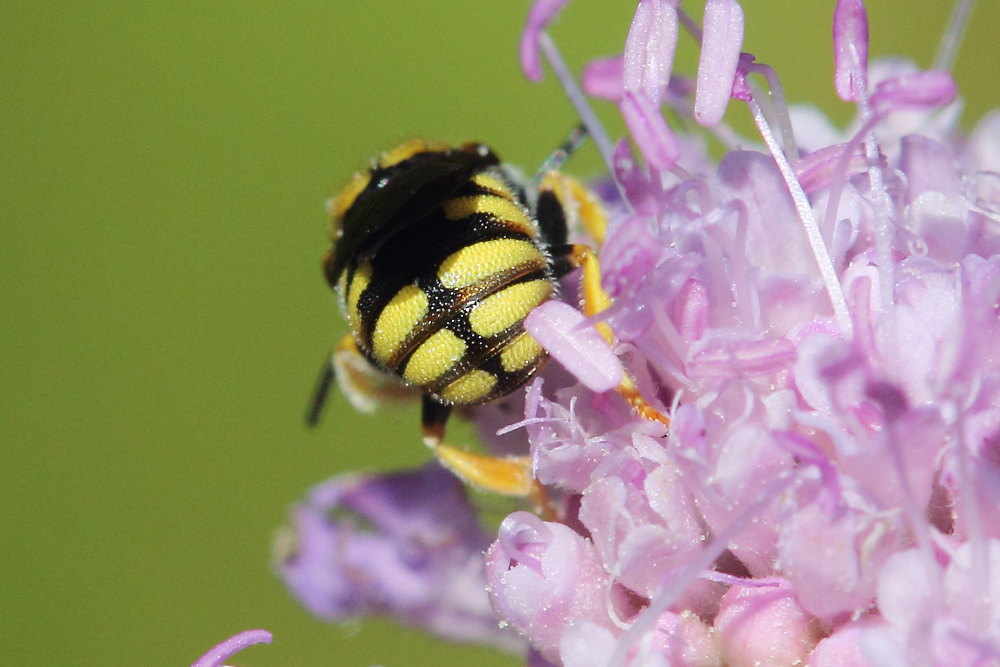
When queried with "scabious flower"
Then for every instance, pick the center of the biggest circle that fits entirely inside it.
(819, 315)
(406, 545)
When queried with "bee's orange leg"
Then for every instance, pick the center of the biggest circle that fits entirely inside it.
(583, 209)
(507, 476)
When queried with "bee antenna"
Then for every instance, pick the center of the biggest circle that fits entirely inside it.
(558, 157)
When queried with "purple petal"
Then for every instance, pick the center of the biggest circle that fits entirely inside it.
(218, 654)
(541, 598)
(833, 561)
(741, 89)
(843, 647)
(638, 187)
(929, 167)
(603, 78)
(540, 15)
(926, 89)
(721, 45)
(572, 341)
(649, 49)
(766, 626)
(521, 536)
(818, 169)
(649, 129)
(407, 546)
(629, 255)
(904, 586)
(850, 49)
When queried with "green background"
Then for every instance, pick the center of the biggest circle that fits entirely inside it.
(164, 168)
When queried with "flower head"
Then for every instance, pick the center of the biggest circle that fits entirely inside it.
(822, 314)
(819, 312)
(407, 546)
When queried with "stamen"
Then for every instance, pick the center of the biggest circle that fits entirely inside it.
(576, 97)
(804, 209)
(721, 44)
(649, 49)
(778, 106)
(218, 654)
(850, 49)
(952, 37)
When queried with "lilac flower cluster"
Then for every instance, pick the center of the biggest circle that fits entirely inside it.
(820, 317)
(406, 545)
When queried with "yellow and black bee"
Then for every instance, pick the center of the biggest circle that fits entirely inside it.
(439, 253)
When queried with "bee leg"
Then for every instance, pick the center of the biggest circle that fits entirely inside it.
(507, 476)
(317, 403)
(595, 301)
(574, 203)
(346, 347)
(563, 203)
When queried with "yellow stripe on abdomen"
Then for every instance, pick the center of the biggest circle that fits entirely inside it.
(397, 320)
(434, 357)
(351, 293)
(470, 389)
(488, 181)
(479, 261)
(520, 352)
(508, 307)
(503, 210)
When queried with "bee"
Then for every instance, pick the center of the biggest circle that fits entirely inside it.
(439, 253)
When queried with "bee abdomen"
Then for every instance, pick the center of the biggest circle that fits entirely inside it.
(441, 302)
(465, 351)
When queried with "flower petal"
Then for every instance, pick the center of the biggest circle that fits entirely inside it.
(564, 332)
(649, 129)
(540, 15)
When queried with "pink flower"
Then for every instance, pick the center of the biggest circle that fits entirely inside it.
(819, 312)
(764, 624)
(544, 577)
(824, 322)
(407, 546)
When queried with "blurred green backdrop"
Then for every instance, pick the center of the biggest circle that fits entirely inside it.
(164, 167)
